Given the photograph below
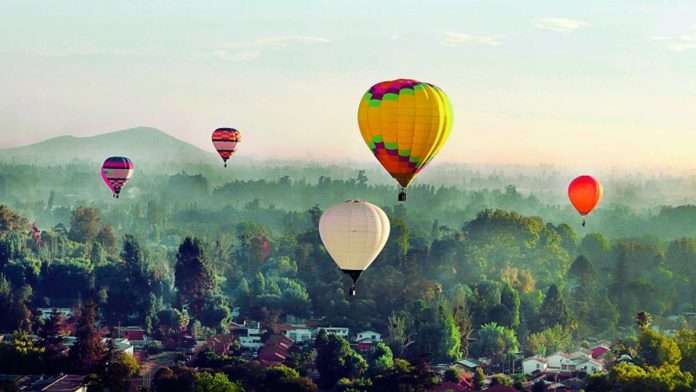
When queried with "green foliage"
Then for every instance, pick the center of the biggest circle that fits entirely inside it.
(495, 341)
(84, 224)
(194, 278)
(549, 341)
(336, 360)
(218, 382)
(655, 349)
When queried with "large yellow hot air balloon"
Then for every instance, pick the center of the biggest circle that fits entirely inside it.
(405, 123)
(354, 233)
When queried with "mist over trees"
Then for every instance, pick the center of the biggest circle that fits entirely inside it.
(466, 272)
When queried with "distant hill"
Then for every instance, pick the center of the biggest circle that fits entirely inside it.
(143, 145)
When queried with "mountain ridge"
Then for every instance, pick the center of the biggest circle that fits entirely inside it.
(144, 145)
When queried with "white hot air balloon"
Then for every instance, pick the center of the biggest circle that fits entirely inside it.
(354, 232)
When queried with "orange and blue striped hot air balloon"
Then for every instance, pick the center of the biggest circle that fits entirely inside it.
(116, 171)
(225, 141)
(405, 123)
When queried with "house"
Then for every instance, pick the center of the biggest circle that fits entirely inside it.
(251, 343)
(590, 366)
(135, 335)
(67, 383)
(533, 365)
(275, 350)
(45, 313)
(299, 334)
(560, 361)
(123, 345)
(467, 364)
(368, 337)
(338, 331)
(221, 344)
(599, 351)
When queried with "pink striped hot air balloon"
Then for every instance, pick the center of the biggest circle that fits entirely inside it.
(225, 141)
(116, 171)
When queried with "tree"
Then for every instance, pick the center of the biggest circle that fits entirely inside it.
(51, 335)
(118, 372)
(655, 349)
(381, 359)
(436, 336)
(336, 360)
(686, 340)
(218, 382)
(194, 278)
(495, 341)
(107, 238)
(479, 379)
(553, 310)
(398, 337)
(11, 221)
(551, 340)
(84, 224)
(88, 351)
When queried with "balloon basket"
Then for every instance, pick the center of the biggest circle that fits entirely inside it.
(402, 195)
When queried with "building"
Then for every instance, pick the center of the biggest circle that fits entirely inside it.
(590, 366)
(533, 365)
(599, 351)
(135, 335)
(275, 350)
(45, 313)
(560, 362)
(251, 343)
(368, 337)
(299, 334)
(67, 383)
(338, 331)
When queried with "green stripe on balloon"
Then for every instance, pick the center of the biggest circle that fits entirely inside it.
(407, 91)
(390, 97)
(374, 103)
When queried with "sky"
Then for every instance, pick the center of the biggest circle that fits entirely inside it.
(591, 84)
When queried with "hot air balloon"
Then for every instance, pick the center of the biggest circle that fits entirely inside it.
(585, 193)
(354, 233)
(405, 123)
(115, 172)
(225, 141)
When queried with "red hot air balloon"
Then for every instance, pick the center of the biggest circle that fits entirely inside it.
(116, 171)
(585, 193)
(225, 141)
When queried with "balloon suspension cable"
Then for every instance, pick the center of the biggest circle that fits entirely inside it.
(402, 194)
(583, 222)
(354, 275)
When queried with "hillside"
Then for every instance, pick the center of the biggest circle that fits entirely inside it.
(143, 145)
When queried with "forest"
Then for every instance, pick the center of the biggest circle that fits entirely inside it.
(467, 272)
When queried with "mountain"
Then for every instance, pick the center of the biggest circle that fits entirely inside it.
(142, 145)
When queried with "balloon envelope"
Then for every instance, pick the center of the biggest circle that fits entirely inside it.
(225, 141)
(405, 123)
(585, 193)
(354, 233)
(116, 171)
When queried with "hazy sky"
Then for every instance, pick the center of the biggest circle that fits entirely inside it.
(592, 84)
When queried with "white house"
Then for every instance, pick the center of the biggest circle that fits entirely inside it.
(590, 366)
(45, 313)
(338, 331)
(534, 364)
(559, 361)
(252, 342)
(299, 334)
(368, 337)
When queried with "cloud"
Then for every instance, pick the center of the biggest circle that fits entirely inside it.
(679, 43)
(560, 25)
(251, 50)
(454, 39)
